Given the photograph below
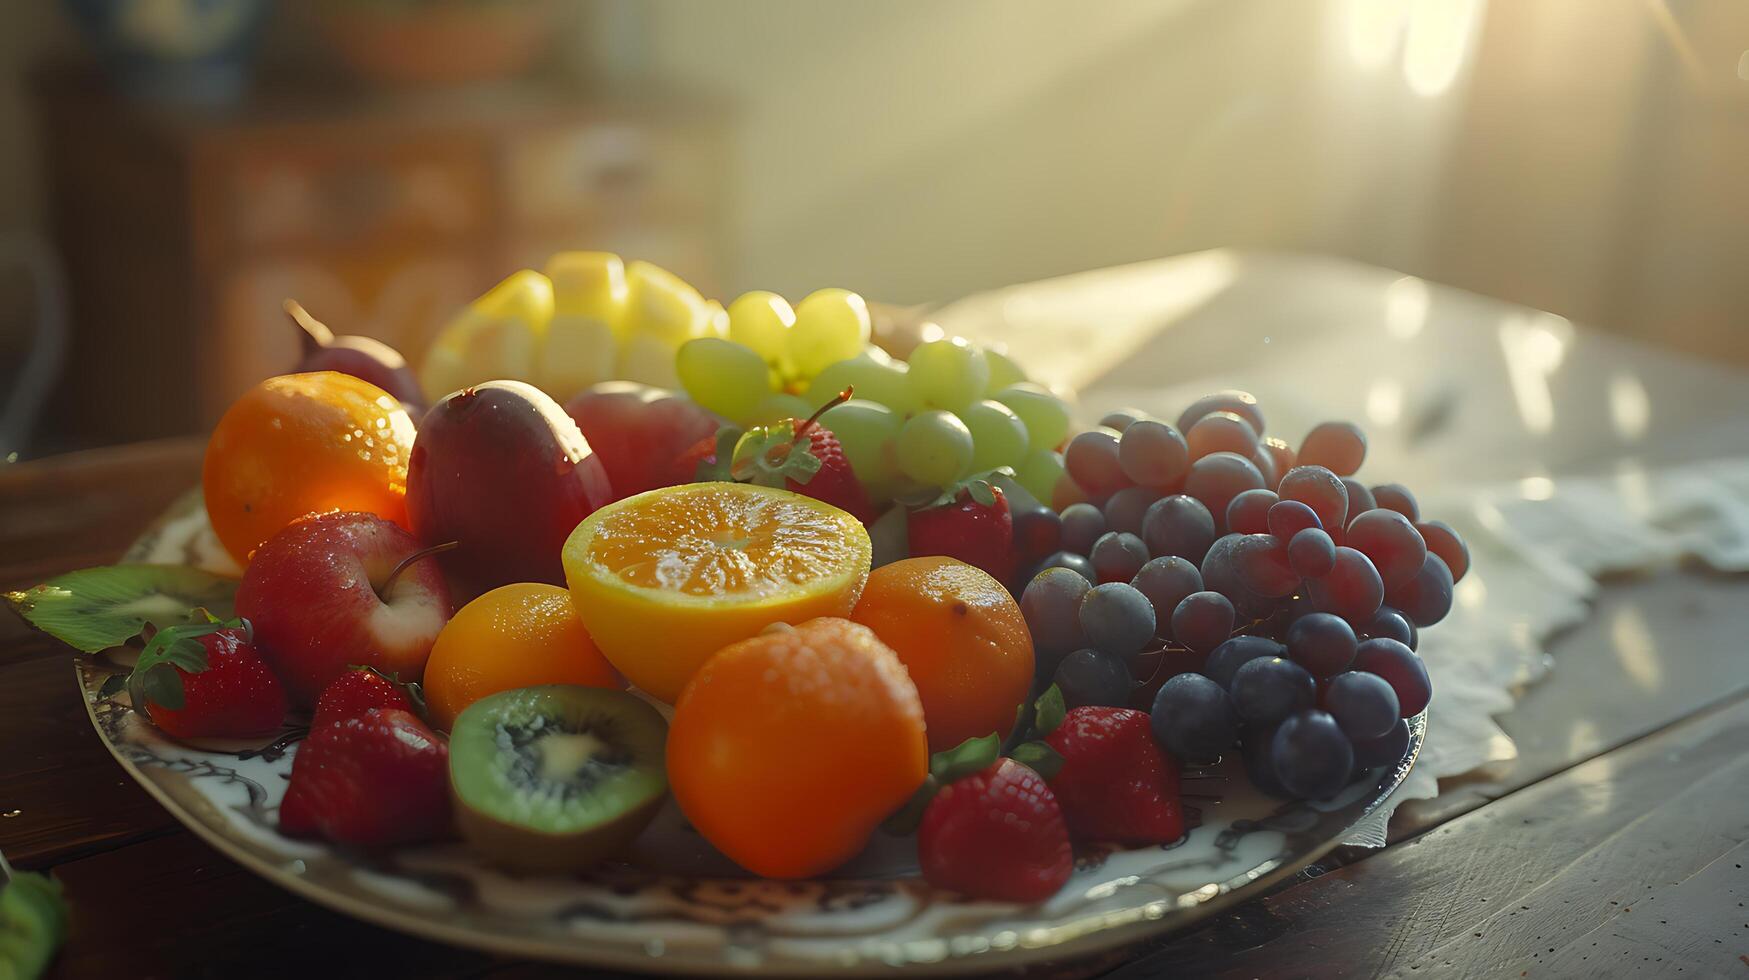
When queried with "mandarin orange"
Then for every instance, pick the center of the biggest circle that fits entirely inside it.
(788, 749)
(962, 639)
(515, 636)
(301, 444)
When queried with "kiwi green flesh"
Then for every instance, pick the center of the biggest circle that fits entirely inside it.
(559, 777)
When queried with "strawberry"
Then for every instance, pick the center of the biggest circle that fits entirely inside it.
(358, 690)
(778, 456)
(379, 778)
(997, 834)
(970, 522)
(1115, 785)
(205, 680)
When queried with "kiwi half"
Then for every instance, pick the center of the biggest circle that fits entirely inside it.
(556, 778)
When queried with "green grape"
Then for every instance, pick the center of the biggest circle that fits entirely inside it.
(723, 376)
(1003, 370)
(1045, 415)
(866, 431)
(778, 406)
(875, 381)
(948, 373)
(1039, 472)
(998, 436)
(762, 321)
(934, 448)
(831, 325)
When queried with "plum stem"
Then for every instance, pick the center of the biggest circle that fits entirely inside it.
(395, 573)
(313, 332)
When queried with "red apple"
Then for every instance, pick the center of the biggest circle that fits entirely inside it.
(361, 357)
(324, 594)
(502, 470)
(639, 432)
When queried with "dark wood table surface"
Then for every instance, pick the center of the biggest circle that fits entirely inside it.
(1613, 845)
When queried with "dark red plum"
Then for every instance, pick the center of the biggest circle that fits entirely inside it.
(361, 357)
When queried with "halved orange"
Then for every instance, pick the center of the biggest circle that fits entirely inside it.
(666, 578)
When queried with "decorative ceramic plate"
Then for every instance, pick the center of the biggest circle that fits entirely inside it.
(679, 907)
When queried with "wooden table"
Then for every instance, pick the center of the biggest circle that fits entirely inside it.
(1613, 845)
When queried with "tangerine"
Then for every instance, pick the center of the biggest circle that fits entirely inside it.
(515, 636)
(301, 444)
(788, 749)
(962, 639)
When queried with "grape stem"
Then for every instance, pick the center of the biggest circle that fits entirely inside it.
(403, 564)
(313, 332)
(848, 393)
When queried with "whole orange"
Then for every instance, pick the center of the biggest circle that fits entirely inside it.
(515, 636)
(788, 749)
(303, 443)
(962, 639)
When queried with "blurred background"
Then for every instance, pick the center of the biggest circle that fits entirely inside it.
(171, 170)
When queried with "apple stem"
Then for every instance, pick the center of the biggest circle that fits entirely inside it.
(395, 573)
(314, 333)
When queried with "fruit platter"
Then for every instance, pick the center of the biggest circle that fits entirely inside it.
(639, 631)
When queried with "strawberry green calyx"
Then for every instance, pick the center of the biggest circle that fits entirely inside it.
(978, 486)
(413, 691)
(154, 679)
(972, 756)
(770, 455)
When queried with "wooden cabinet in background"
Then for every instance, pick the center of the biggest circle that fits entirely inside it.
(184, 229)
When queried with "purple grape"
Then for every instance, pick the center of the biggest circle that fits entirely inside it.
(1322, 643)
(1387, 750)
(1363, 704)
(1219, 432)
(1395, 496)
(1268, 689)
(1321, 490)
(1280, 454)
(1217, 478)
(1311, 553)
(1390, 542)
(1389, 624)
(1227, 658)
(1116, 619)
(1339, 447)
(1082, 525)
(1220, 573)
(1178, 525)
(1051, 605)
(1091, 460)
(1123, 418)
(1126, 508)
(1240, 403)
(1073, 562)
(1262, 563)
(1259, 748)
(1153, 454)
(1426, 598)
(1289, 517)
(1401, 668)
(1203, 621)
(1360, 499)
(1088, 677)
(1451, 549)
(1248, 513)
(1352, 590)
(1264, 460)
(1313, 758)
(1194, 719)
(1166, 581)
(1117, 556)
(1037, 533)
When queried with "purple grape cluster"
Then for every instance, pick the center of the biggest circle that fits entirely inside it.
(1286, 597)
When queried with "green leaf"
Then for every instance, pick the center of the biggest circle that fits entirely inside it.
(161, 686)
(97, 608)
(33, 921)
(799, 464)
(718, 467)
(155, 680)
(980, 492)
(1050, 711)
(112, 685)
(1039, 757)
(970, 756)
